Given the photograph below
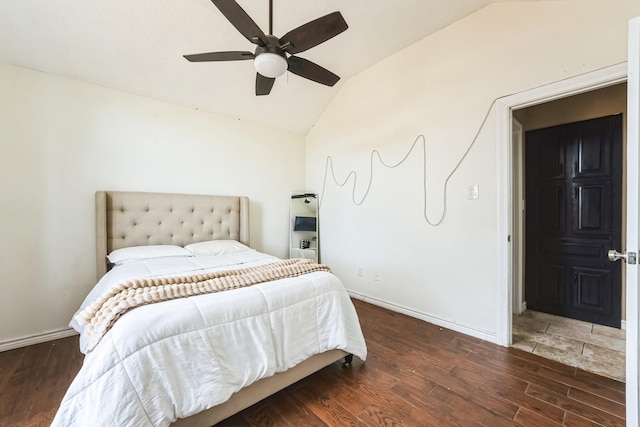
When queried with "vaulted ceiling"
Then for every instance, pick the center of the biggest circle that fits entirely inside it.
(137, 47)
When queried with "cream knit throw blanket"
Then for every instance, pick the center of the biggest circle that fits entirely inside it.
(101, 314)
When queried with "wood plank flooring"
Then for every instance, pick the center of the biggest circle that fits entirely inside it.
(416, 374)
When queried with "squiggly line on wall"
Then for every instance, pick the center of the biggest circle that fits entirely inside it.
(420, 138)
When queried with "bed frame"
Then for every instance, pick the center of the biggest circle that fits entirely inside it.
(136, 219)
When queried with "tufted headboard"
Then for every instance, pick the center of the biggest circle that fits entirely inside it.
(126, 219)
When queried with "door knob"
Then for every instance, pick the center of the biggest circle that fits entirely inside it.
(629, 257)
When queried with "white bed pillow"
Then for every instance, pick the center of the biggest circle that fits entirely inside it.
(136, 253)
(217, 247)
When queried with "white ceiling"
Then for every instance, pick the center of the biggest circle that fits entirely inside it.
(137, 47)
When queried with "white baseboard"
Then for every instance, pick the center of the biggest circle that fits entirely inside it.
(37, 339)
(483, 335)
(523, 307)
(623, 325)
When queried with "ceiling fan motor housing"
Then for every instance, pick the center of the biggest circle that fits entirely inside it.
(270, 60)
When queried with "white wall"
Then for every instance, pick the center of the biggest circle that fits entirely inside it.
(61, 140)
(442, 87)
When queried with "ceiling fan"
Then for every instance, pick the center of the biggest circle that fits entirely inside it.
(273, 56)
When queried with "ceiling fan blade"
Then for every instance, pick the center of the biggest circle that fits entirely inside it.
(309, 70)
(242, 21)
(219, 56)
(313, 33)
(263, 84)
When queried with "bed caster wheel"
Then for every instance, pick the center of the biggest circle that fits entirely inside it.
(347, 361)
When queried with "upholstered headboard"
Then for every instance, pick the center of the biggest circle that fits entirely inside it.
(126, 219)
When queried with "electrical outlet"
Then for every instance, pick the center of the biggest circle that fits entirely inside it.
(376, 275)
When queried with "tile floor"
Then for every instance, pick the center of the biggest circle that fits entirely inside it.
(594, 348)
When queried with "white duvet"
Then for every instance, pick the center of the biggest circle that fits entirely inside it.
(174, 359)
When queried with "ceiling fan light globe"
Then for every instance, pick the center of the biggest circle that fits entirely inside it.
(270, 65)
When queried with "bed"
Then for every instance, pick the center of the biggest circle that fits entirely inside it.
(197, 359)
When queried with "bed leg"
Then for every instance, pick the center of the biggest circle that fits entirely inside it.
(347, 360)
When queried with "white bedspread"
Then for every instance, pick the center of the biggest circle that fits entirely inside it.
(174, 359)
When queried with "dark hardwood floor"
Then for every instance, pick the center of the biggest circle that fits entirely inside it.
(416, 374)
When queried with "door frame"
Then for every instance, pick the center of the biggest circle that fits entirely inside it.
(633, 232)
(517, 238)
(504, 107)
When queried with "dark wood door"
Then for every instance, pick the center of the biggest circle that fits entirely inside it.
(573, 200)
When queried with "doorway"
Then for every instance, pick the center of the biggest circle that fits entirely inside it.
(587, 345)
(540, 122)
(507, 109)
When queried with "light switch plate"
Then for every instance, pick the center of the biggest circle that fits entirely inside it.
(473, 192)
